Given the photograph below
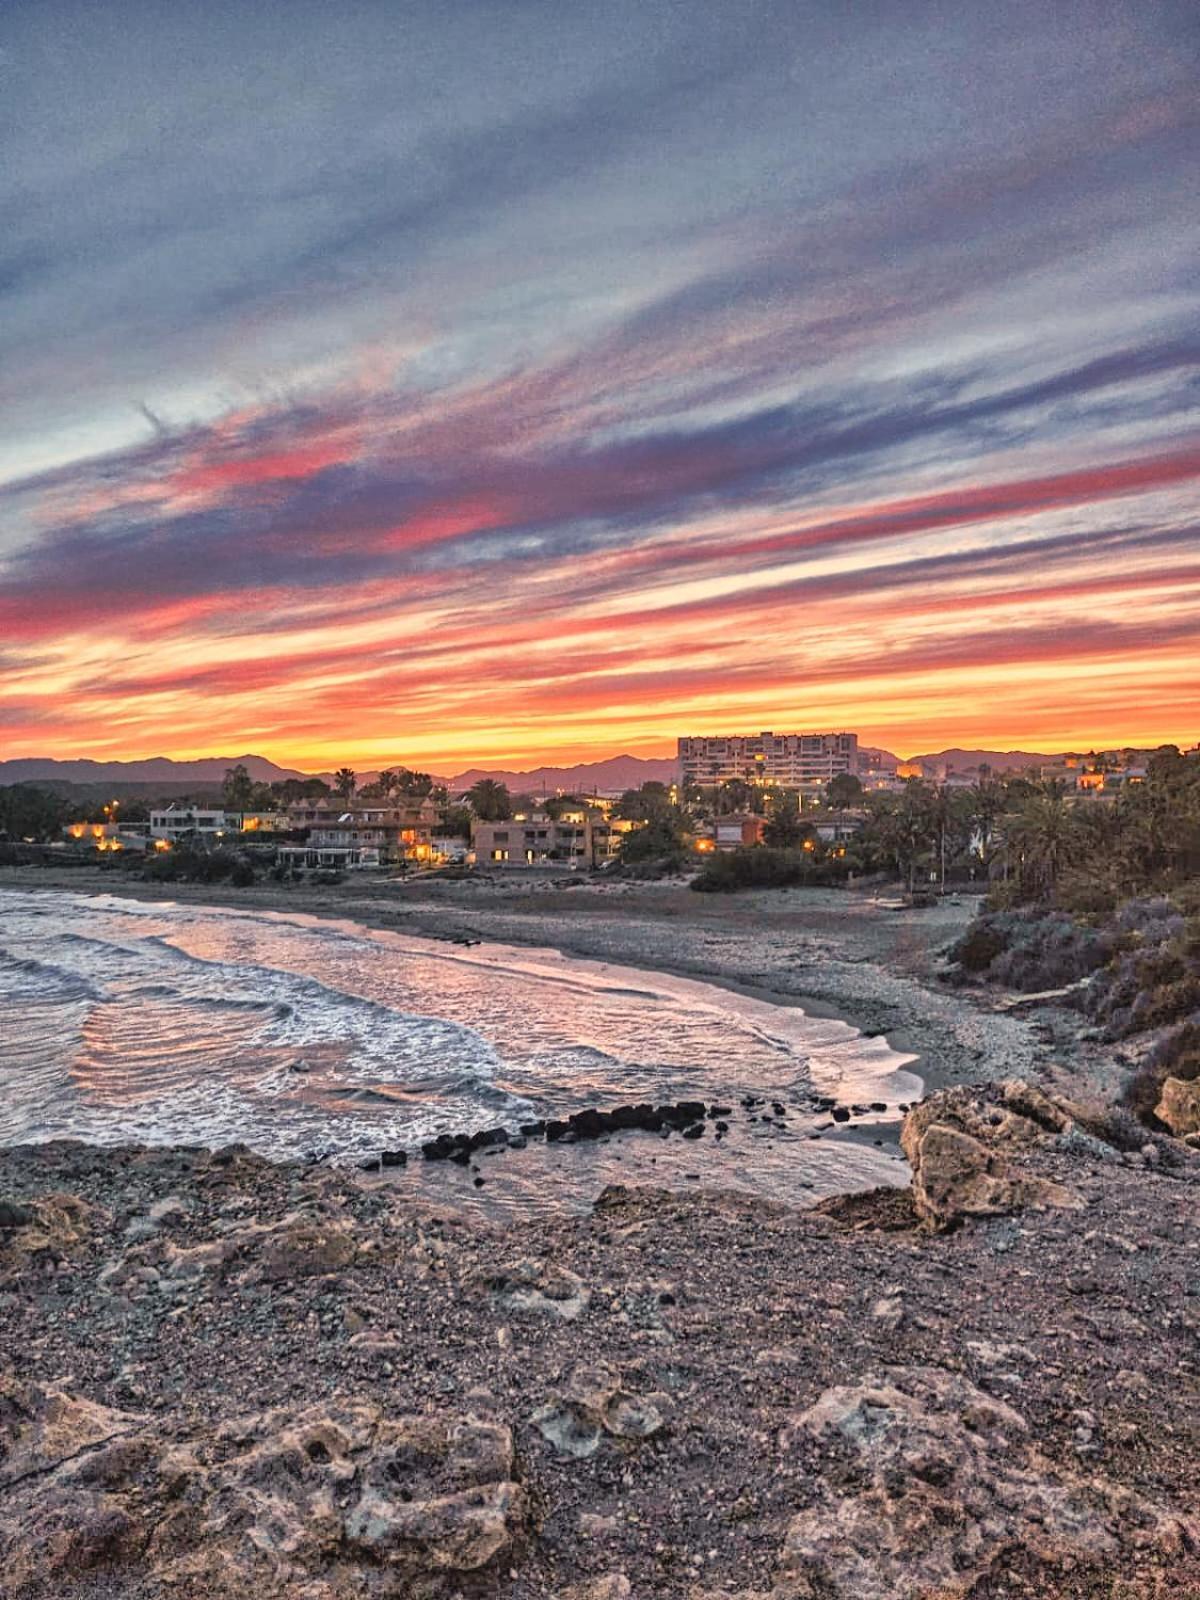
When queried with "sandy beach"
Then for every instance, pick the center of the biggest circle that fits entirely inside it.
(843, 953)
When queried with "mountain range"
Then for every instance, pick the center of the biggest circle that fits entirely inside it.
(158, 769)
(610, 776)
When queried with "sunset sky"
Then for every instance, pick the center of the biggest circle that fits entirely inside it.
(504, 382)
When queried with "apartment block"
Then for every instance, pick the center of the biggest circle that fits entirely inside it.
(790, 760)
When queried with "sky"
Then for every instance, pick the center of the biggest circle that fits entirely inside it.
(513, 382)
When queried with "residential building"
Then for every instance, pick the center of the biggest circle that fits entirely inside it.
(835, 827)
(176, 822)
(738, 829)
(789, 760)
(582, 837)
(378, 835)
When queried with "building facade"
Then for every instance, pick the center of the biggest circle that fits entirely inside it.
(583, 838)
(789, 760)
(361, 836)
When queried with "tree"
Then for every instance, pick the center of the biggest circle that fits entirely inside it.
(843, 790)
(784, 828)
(27, 812)
(408, 782)
(288, 791)
(490, 800)
(908, 827)
(645, 804)
(455, 822)
(1044, 838)
(344, 780)
(986, 802)
(662, 839)
(735, 794)
(237, 791)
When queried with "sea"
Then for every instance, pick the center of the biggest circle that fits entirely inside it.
(315, 1039)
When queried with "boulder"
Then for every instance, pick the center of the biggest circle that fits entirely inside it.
(946, 1482)
(953, 1142)
(1178, 1107)
(51, 1228)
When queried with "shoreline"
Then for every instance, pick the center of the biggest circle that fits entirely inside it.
(831, 953)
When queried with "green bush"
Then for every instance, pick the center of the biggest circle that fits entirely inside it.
(758, 867)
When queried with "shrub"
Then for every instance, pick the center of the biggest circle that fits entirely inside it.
(242, 874)
(757, 867)
(1032, 950)
(1175, 1054)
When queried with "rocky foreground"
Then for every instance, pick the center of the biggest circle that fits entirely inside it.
(226, 1378)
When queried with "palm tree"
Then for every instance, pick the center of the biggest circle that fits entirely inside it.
(344, 781)
(386, 781)
(490, 801)
(909, 827)
(1044, 835)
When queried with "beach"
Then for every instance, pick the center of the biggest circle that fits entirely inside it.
(226, 1374)
(840, 953)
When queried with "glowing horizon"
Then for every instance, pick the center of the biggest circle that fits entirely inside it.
(530, 388)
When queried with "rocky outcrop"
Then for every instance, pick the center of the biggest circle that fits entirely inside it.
(593, 1405)
(533, 1286)
(49, 1229)
(1178, 1107)
(263, 1505)
(944, 1480)
(960, 1144)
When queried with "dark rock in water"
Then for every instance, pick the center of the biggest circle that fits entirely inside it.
(683, 1113)
(643, 1115)
(695, 1131)
(590, 1123)
(840, 1114)
(371, 1164)
(393, 1158)
(479, 1183)
(778, 1107)
(751, 1100)
(488, 1136)
(860, 1111)
(878, 1105)
(534, 1130)
(439, 1149)
(722, 1127)
(461, 1157)
(555, 1129)
(720, 1111)
(517, 1141)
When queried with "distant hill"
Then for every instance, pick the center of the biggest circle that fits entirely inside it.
(158, 770)
(872, 756)
(614, 776)
(998, 760)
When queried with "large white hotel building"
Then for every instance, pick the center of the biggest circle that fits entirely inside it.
(787, 759)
